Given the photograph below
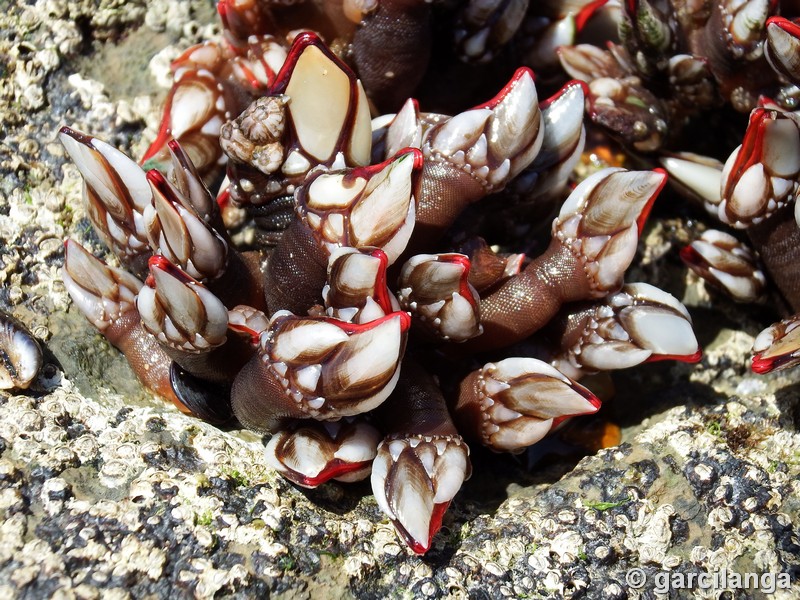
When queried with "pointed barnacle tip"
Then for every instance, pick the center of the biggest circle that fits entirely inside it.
(661, 178)
(308, 37)
(418, 158)
(762, 365)
(582, 85)
(694, 358)
(66, 132)
(524, 72)
(595, 402)
(157, 262)
(690, 256)
(405, 320)
(416, 547)
(155, 177)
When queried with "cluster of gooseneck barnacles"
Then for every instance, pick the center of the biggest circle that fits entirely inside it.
(679, 65)
(356, 328)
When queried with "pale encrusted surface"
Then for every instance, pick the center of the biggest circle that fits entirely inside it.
(106, 492)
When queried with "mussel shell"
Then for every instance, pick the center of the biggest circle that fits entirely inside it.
(207, 401)
(20, 354)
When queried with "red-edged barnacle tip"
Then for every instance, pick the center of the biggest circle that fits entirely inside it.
(687, 358)
(790, 27)
(640, 222)
(570, 85)
(518, 76)
(763, 365)
(587, 12)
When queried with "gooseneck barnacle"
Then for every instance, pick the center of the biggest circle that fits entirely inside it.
(347, 328)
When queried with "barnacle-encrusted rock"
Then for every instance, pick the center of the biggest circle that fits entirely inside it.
(105, 491)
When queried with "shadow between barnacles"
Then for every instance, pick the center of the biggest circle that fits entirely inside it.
(788, 400)
(635, 402)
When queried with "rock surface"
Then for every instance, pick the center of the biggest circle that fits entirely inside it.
(107, 492)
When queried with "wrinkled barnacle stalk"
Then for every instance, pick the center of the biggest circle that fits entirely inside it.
(594, 238)
(391, 48)
(422, 461)
(20, 354)
(361, 207)
(106, 296)
(778, 346)
(513, 403)
(640, 323)
(321, 368)
(475, 153)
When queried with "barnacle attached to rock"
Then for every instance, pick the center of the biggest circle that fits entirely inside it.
(778, 346)
(20, 354)
(514, 403)
(640, 323)
(721, 259)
